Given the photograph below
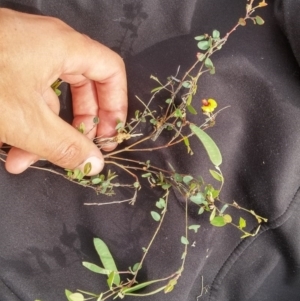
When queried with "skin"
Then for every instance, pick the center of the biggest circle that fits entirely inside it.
(34, 52)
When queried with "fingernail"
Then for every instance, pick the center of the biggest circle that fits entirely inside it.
(96, 165)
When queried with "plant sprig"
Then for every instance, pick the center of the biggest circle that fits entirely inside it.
(195, 191)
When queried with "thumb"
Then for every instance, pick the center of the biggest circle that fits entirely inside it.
(43, 134)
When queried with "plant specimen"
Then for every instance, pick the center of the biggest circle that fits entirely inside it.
(172, 121)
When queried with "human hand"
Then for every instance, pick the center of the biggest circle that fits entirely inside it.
(34, 52)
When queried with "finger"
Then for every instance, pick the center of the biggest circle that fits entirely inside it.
(19, 160)
(107, 70)
(85, 104)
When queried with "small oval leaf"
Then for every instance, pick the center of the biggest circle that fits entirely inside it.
(76, 297)
(200, 38)
(215, 34)
(259, 20)
(203, 45)
(136, 267)
(208, 63)
(198, 198)
(242, 223)
(187, 179)
(184, 240)
(217, 176)
(227, 218)
(218, 221)
(156, 216)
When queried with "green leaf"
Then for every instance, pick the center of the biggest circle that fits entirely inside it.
(95, 268)
(153, 121)
(208, 63)
(78, 174)
(259, 20)
(213, 214)
(216, 34)
(146, 175)
(136, 184)
(191, 109)
(57, 92)
(227, 218)
(212, 71)
(161, 204)
(87, 168)
(119, 125)
(166, 186)
(242, 223)
(84, 182)
(203, 45)
(201, 210)
(184, 240)
(186, 84)
(200, 38)
(178, 113)
(186, 141)
(194, 227)
(156, 89)
(178, 177)
(106, 258)
(136, 267)
(76, 297)
(198, 198)
(68, 294)
(156, 216)
(218, 221)
(189, 99)
(215, 193)
(169, 100)
(81, 128)
(96, 181)
(168, 289)
(111, 279)
(187, 179)
(210, 146)
(217, 176)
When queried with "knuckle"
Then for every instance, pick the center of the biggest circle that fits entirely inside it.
(67, 155)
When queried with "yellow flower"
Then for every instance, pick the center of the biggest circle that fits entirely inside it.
(209, 105)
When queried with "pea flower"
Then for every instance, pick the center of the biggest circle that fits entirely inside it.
(209, 105)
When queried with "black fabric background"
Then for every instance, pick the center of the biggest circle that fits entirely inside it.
(46, 231)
